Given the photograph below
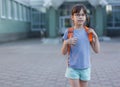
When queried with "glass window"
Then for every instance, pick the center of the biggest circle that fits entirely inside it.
(20, 12)
(67, 22)
(24, 13)
(3, 10)
(15, 11)
(37, 20)
(110, 20)
(22, 6)
(29, 14)
(42, 20)
(12, 9)
(117, 18)
(9, 9)
(113, 18)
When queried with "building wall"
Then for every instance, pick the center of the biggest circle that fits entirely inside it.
(14, 20)
(13, 30)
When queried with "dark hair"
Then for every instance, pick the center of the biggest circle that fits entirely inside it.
(77, 8)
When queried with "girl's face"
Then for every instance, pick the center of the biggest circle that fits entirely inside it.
(79, 18)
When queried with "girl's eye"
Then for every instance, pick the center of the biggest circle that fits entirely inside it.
(83, 14)
(80, 15)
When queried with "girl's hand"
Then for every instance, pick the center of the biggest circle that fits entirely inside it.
(93, 32)
(71, 41)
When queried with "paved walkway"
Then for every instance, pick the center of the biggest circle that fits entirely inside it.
(30, 63)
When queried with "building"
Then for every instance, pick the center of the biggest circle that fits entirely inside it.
(27, 18)
(104, 16)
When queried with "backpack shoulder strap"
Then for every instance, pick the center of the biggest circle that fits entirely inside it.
(70, 32)
(86, 28)
(70, 35)
(90, 35)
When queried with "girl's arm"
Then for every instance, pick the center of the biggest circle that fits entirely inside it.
(95, 44)
(64, 47)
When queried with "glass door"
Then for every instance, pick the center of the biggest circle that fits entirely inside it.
(64, 23)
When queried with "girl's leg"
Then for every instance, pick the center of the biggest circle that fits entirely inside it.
(74, 82)
(83, 83)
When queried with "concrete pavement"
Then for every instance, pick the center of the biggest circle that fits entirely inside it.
(30, 63)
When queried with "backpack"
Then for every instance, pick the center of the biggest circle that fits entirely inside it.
(70, 35)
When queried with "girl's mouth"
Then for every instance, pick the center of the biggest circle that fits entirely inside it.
(80, 20)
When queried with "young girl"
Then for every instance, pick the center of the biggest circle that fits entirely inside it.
(79, 66)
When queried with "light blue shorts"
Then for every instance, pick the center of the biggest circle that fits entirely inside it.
(82, 74)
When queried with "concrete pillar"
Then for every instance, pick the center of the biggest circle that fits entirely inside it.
(99, 21)
(52, 22)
